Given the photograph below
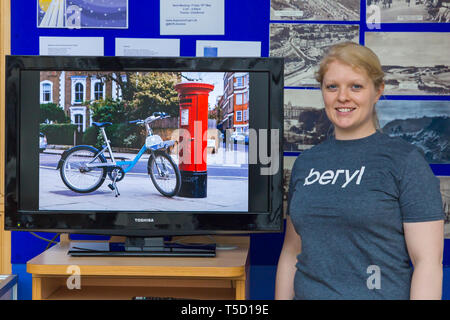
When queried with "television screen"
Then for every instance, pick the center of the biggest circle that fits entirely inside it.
(144, 146)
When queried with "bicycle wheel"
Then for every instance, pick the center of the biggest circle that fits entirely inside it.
(76, 175)
(164, 173)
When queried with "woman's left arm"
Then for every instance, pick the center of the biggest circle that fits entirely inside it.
(425, 243)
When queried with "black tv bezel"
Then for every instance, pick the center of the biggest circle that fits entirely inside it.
(164, 223)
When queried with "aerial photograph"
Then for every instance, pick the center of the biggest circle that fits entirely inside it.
(303, 46)
(336, 10)
(415, 63)
(416, 11)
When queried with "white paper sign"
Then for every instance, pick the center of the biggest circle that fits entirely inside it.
(210, 48)
(71, 46)
(147, 47)
(192, 17)
(184, 117)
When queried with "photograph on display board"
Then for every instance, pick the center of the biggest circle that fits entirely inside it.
(303, 46)
(158, 135)
(408, 11)
(337, 10)
(82, 14)
(425, 124)
(305, 121)
(445, 192)
(415, 63)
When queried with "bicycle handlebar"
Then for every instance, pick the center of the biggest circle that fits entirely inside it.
(135, 121)
(160, 114)
(155, 116)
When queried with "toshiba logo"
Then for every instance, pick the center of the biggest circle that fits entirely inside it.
(144, 220)
(340, 176)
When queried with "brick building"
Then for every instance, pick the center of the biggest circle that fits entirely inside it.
(234, 102)
(70, 89)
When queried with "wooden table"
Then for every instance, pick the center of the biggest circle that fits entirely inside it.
(55, 274)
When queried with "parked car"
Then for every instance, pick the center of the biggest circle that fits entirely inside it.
(240, 137)
(42, 142)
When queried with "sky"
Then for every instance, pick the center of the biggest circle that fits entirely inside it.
(214, 78)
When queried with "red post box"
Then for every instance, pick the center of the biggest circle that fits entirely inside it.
(193, 98)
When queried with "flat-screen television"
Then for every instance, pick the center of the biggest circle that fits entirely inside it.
(143, 147)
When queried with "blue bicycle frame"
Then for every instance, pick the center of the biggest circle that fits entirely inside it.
(128, 165)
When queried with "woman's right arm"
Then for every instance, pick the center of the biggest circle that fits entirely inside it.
(284, 285)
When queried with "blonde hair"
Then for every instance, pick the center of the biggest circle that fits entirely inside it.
(356, 56)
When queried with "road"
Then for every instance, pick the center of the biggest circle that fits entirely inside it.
(215, 171)
(227, 188)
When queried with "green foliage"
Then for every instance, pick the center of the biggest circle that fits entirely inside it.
(62, 133)
(128, 136)
(108, 111)
(143, 94)
(90, 136)
(52, 112)
(121, 135)
(154, 92)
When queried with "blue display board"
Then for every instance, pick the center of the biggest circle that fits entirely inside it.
(245, 20)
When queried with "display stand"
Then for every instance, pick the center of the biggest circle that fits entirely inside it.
(58, 276)
(142, 247)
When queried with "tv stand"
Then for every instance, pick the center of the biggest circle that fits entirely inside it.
(108, 278)
(142, 247)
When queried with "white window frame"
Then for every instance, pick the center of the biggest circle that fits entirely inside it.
(239, 115)
(239, 82)
(239, 99)
(94, 81)
(78, 111)
(44, 83)
(75, 81)
(116, 89)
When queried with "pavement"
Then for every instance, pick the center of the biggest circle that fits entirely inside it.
(137, 192)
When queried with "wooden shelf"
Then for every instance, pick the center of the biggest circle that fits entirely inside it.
(222, 277)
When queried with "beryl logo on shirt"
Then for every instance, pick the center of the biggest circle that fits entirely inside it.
(330, 176)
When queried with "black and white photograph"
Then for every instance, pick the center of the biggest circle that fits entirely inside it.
(303, 46)
(445, 192)
(408, 11)
(415, 63)
(426, 124)
(305, 121)
(335, 10)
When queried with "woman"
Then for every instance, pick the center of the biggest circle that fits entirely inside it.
(361, 204)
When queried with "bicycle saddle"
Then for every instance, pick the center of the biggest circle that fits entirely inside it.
(102, 124)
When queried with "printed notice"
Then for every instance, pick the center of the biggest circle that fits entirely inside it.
(71, 46)
(211, 48)
(192, 17)
(147, 47)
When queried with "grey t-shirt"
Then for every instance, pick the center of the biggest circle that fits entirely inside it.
(348, 200)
